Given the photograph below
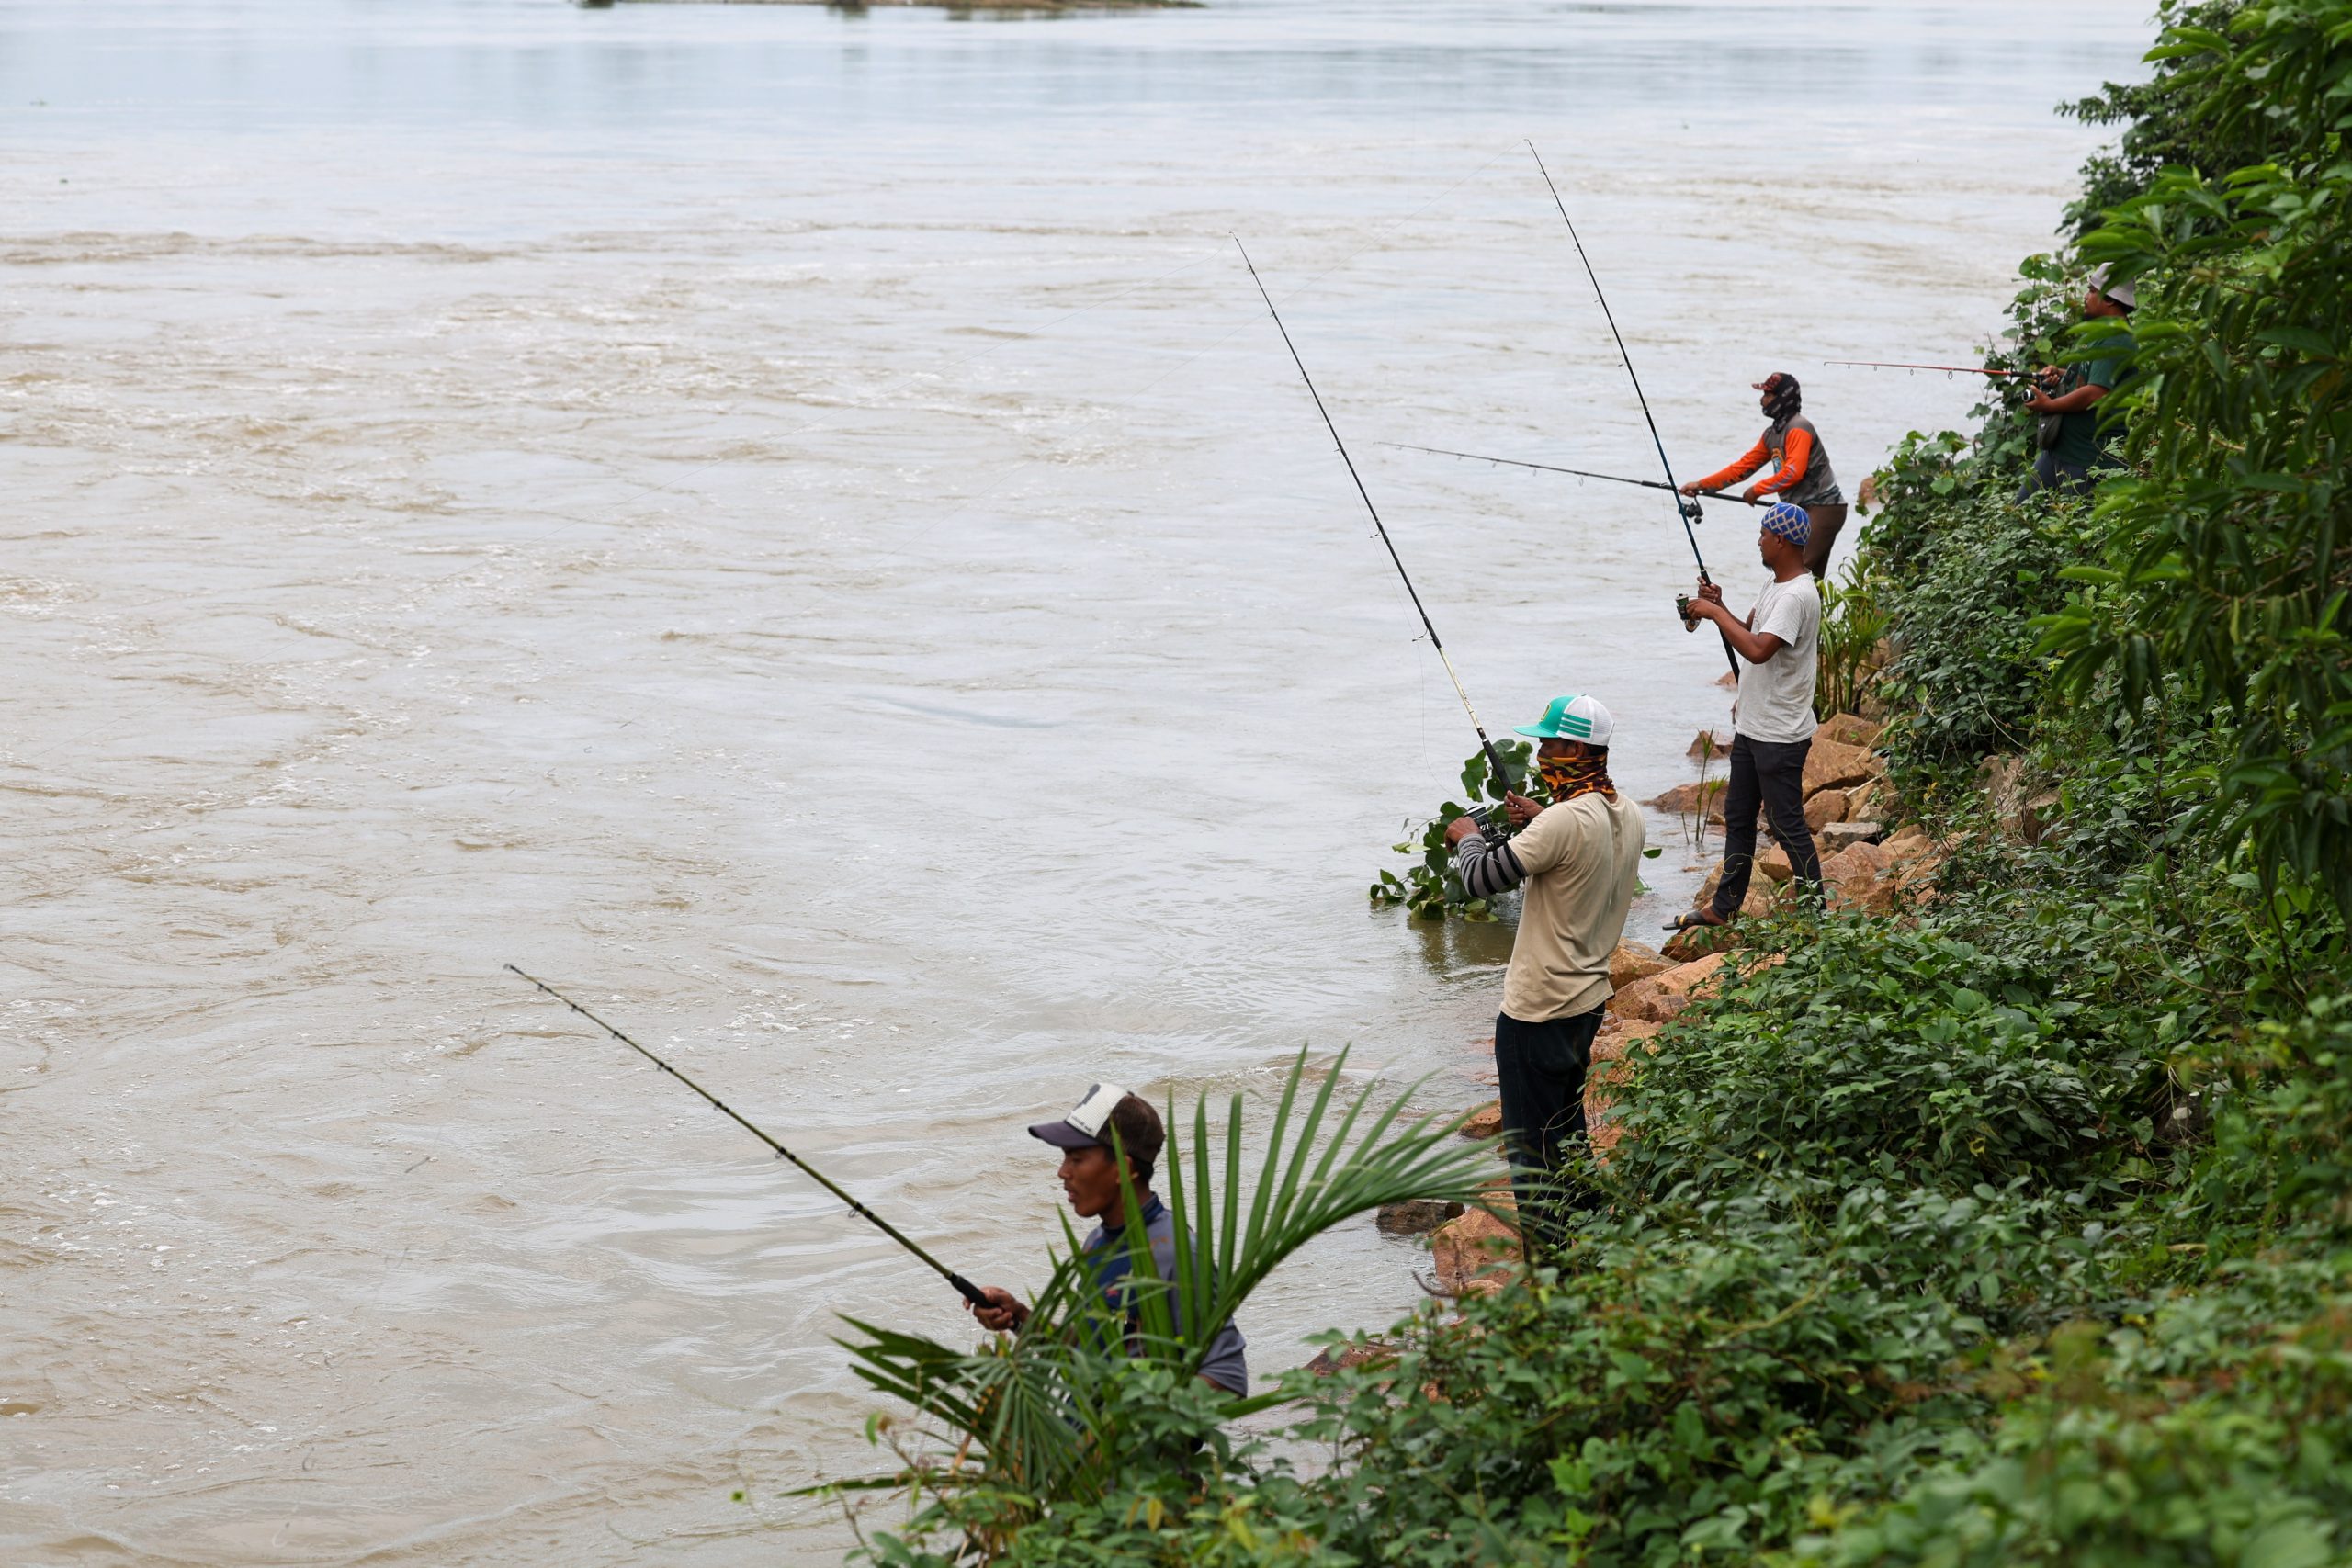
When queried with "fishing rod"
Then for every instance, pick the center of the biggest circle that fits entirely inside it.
(1580, 473)
(1947, 369)
(970, 1292)
(1494, 757)
(1686, 511)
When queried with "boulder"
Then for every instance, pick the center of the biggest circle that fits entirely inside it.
(1908, 843)
(1631, 960)
(1662, 996)
(1834, 765)
(1727, 681)
(1415, 1216)
(1710, 743)
(1772, 864)
(1874, 802)
(1357, 1353)
(1474, 1254)
(1696, 941)
(2038, 816)
(1824, 808)
(1684, 799)
(1838, 836)
(1758, 903)
(1486, 1122)
(1846, 730)
(1855, 877)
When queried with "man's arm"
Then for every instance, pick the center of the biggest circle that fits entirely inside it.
(1485, 869)
(1754, 647)
(1756, 458)
(2075, 402)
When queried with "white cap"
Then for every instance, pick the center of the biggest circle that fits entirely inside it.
(1573, 717)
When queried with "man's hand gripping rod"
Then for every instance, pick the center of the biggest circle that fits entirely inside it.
(970, 1292)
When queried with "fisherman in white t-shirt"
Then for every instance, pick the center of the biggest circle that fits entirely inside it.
(1779, 647)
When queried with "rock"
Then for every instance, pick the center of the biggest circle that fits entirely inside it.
(1473, 1252)
(1357, 1353)
(1696, 943)
(1772, 863)
(1855, 877)
(1415, 1216)
(1684, 799)
(1715, 814)
(1631, 960)
(1833, 765)
(1662, 996)
(1874, 802)
(1727, 681)
(1759, 901)
(1486, 1122)
(1848, 730)
(2038, 816)
(1908, 843)
(1710, 744)
(1619, 1035)
(1824, 808)
(1838, 836)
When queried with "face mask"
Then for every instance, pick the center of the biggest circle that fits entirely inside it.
(1567, 777)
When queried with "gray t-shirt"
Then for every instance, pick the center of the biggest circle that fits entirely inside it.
(1225, 1365)
(1775, 702)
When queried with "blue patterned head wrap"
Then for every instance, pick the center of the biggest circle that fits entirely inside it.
(1788, 521)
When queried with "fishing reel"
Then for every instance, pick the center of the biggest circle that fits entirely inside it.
(1689, 506)
(1494, 823)
(1682, 608)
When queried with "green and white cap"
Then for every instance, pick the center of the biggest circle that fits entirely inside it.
(1573, 717)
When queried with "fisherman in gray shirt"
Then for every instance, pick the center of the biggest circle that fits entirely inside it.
(1090, 1176)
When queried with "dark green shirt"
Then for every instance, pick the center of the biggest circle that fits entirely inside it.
(2079, 445)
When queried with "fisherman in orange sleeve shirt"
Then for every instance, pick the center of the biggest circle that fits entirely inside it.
(1801, 473)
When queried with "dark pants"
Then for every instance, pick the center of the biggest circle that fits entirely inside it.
(1822, 524)
(1772, 773)
(2048, 473)
(1540, 1069)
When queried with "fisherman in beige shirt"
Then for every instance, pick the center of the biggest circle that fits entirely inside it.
(1578, 859)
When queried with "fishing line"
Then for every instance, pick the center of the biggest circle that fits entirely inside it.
(1494, 757)
(1683, 510)
(1555, 468)
(970, 1292)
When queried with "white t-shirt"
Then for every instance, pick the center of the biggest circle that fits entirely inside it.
(1775, 700)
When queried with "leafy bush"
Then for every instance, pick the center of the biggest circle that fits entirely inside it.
(1872, 1049)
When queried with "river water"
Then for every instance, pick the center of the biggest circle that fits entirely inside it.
(795, 524)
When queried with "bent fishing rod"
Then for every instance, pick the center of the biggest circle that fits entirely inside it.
(1682, 509)
(1494, 757)
(1580, 473)
(970, 1292)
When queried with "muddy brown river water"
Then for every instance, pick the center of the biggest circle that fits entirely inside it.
(793, 523)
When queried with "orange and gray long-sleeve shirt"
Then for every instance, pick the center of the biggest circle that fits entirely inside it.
(1800, 462)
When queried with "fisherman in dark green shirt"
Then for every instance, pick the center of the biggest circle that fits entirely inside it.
(2072, 454)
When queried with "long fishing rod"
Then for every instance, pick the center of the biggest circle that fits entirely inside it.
(970, 1292)
(1580, 473)
(1948, 369)
(1494, 757)
(1682, 510)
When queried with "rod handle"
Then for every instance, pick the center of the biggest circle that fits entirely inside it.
(969, 1291)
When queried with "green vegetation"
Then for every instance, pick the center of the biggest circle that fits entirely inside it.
(2016, 1228)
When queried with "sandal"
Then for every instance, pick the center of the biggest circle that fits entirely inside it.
(1696, 921)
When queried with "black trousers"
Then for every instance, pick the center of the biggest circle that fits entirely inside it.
(1540, 1069)
(1771, 773)
(2048, 473)
(1823, 520)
